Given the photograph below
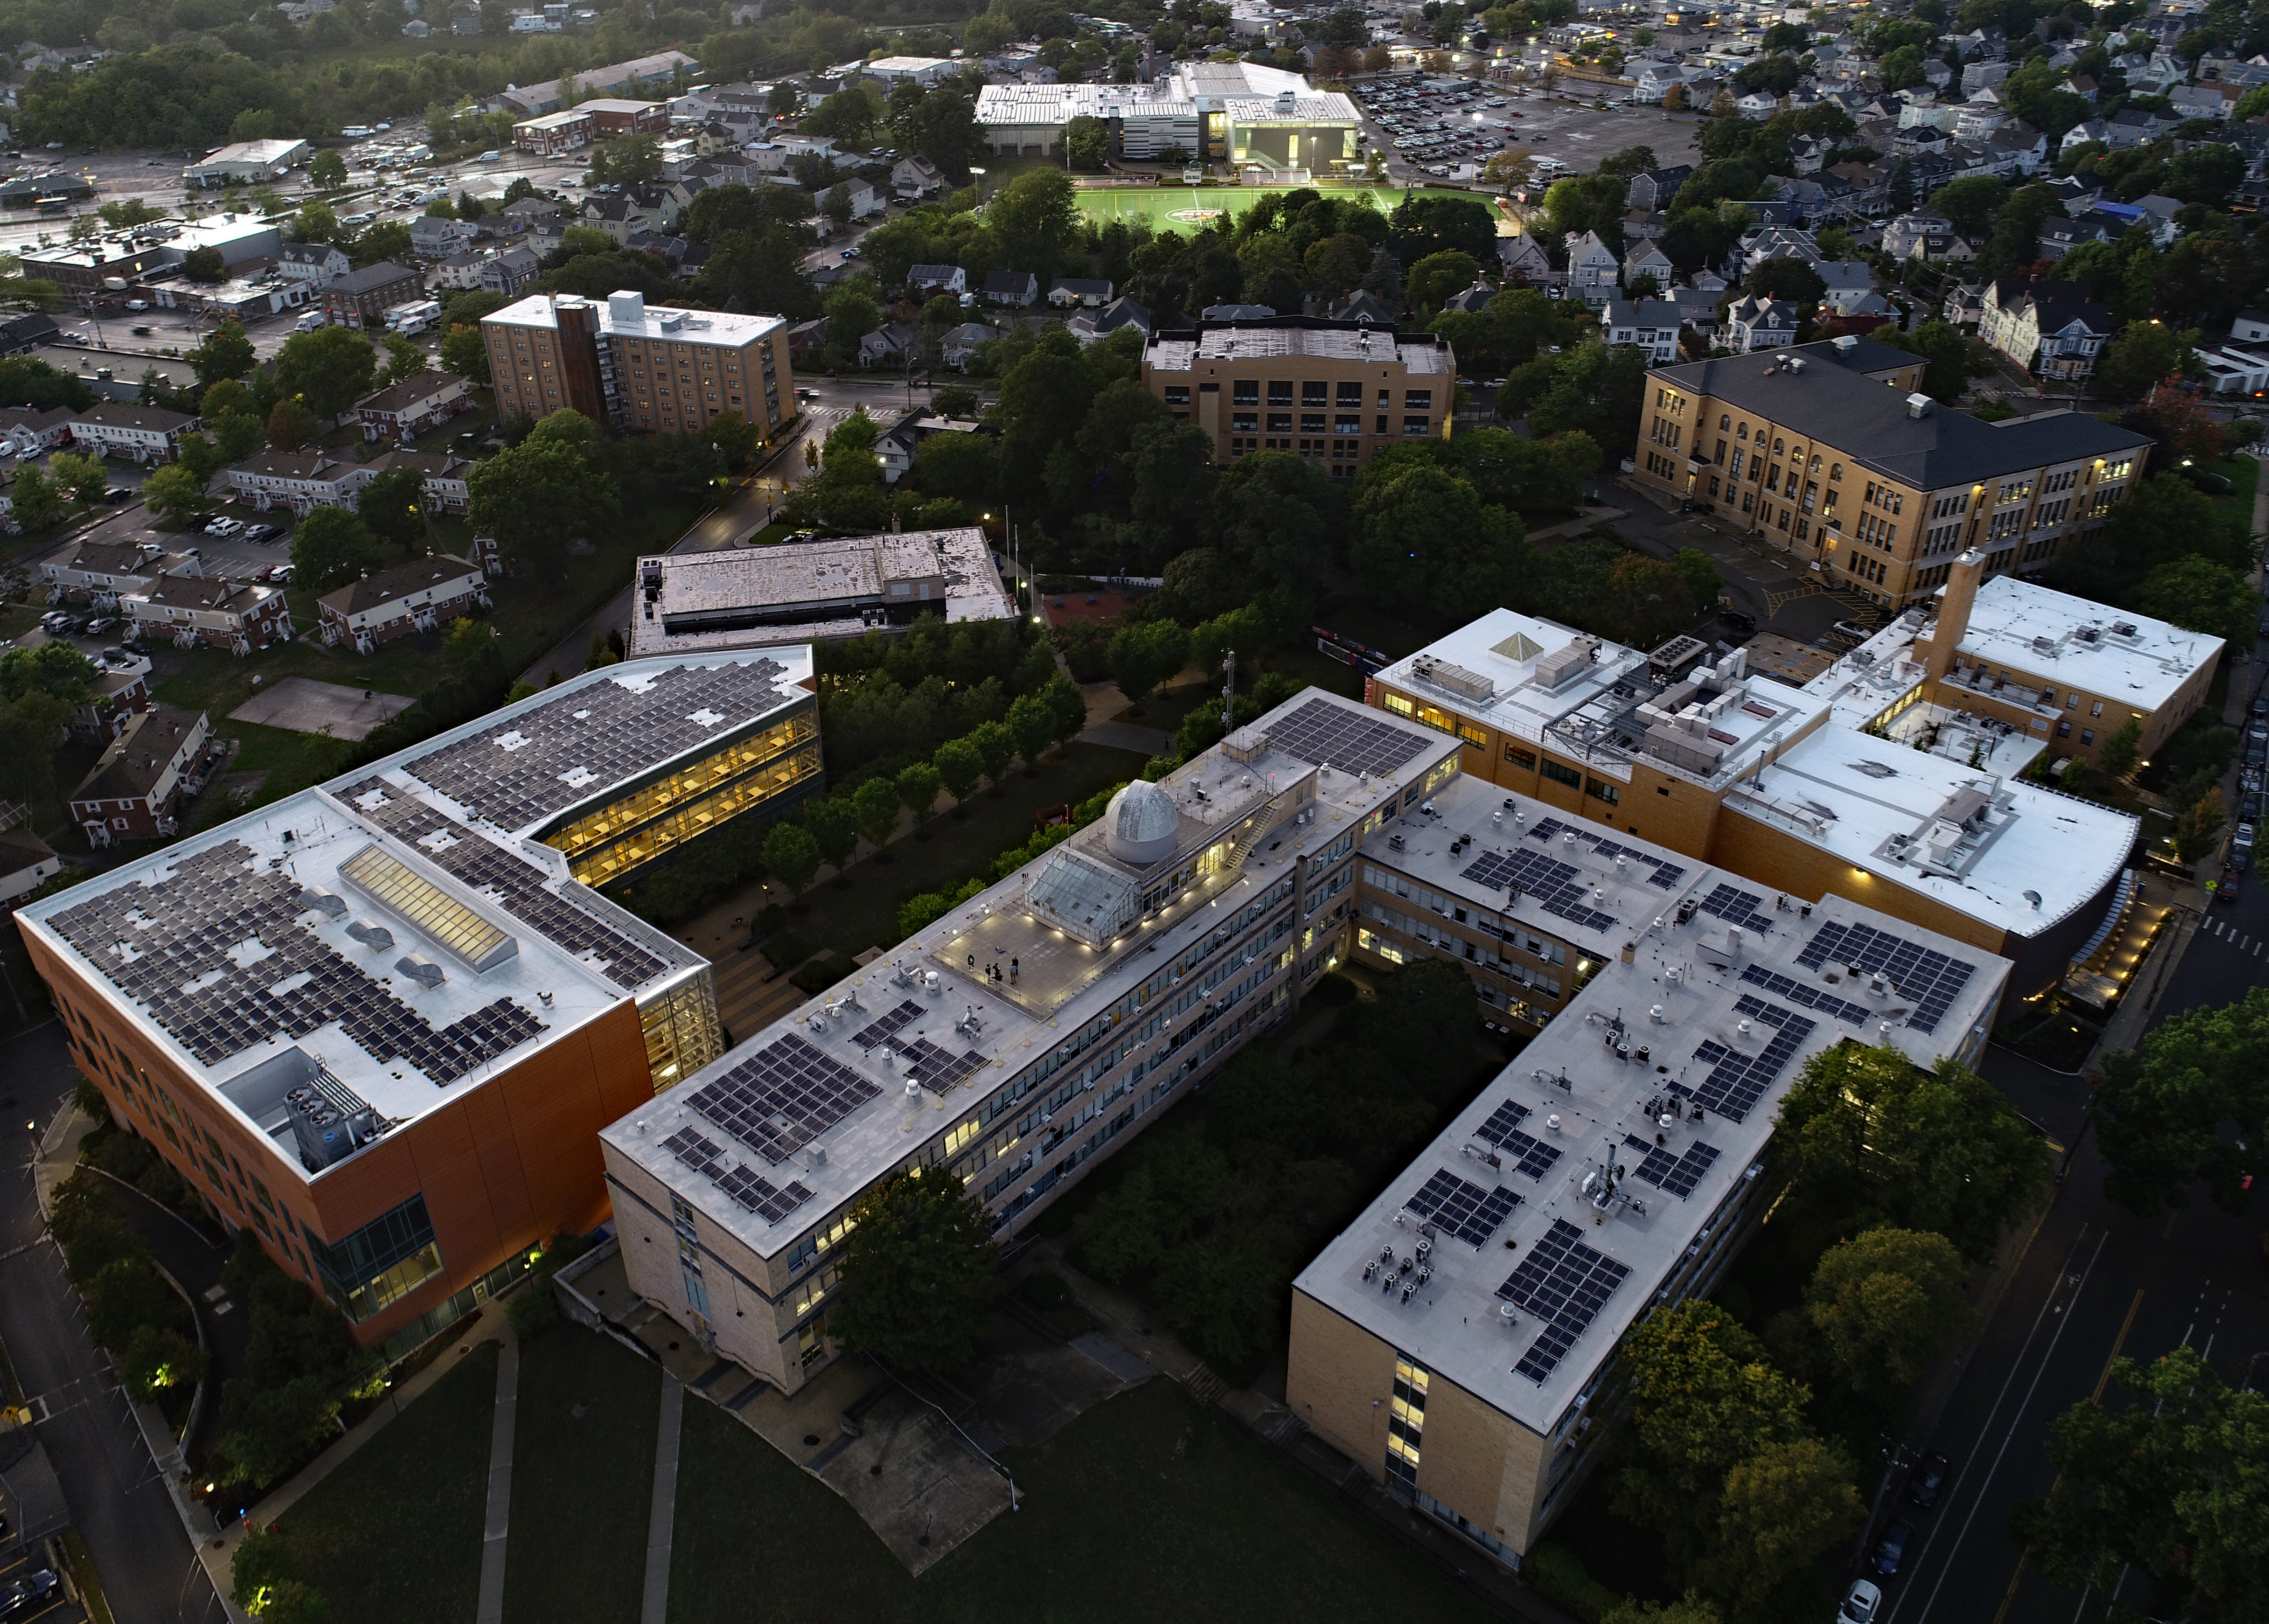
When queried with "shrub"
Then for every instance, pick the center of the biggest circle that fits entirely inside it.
(786, 948)
(817, 975)
(1560, 1576)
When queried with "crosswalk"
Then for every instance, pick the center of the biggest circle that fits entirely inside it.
(2232, 937)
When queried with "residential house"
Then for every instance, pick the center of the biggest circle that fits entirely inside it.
(432, 238)
(2251, 326)
(1364, 305)
(889, 344)
(418, 596)
(1652, 190)
(1593, 268)
(806, 339)
(19, 334)
(27, 863)
(25, 429)
(448, 479)
(362, 298)
(214, 613)
(1473, 300)
(961, 343)
(139, 433)
(98, 573)
(625, 215)
(1848, 282)
(895, 446)
(1522, 260)
(552, 134)
(1064, 293)
(2053, 329)
(408, 409)
(112, 699)
(459, 272)
(916, 176)
(1754, 323)
(1757, 105)
(1648, 260)
(150, 772)
(923, 281)
(865, 200)
(1017, 288)
(1088, 326)
(509, 271)
(1698, 308)
(2060, 237)
(1904, 236)
(300, 480)
(1651, 324)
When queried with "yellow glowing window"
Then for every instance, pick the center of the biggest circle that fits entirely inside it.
(448, 922)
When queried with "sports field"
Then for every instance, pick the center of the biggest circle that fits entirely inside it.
(1160, 204)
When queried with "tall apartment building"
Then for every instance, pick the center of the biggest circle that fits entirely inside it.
(1807, 792)
(654, 370)
(1332, 391)
(1460, 1339)
(1030, 1033)
(1828, 452)
(380, 1022)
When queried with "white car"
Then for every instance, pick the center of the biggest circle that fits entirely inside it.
(224, 527)
(490, 157)
(1861, 1602)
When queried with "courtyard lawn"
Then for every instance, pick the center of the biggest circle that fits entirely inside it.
(394, 1533)
(1158, 204)
(1145, 1508)
(582, 1477)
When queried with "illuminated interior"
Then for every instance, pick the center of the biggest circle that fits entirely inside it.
(682, 1033)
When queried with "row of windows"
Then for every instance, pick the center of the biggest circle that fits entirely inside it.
(1246, 392)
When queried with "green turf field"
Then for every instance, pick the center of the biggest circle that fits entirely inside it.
(1157, 204)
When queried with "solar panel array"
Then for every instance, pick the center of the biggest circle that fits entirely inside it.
(1530, 1155)
(1676, 1174)
(754, 1192)
(515, 885)
(1929, 979)
(782, 1097)
(1736, 906)
(1557, 886)
(548, 758)
(1322, 733)
(1737, 1082)
(182, 948)
(936, 1069)
(1810, 997)
(1563, 1283)
(1665, 874)
(887, 1026)
(1466, 1210)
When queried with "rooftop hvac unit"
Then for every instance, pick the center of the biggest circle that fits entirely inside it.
(371, 934)
(330, 1121)
(421, 970)
(1918, 405)
(315, 898)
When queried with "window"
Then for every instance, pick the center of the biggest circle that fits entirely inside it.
(1280, 423)
(1835, 472)
(1599, 790)
(1178, 395)
(1245, 392)
(1314, 393)
(1780, 448)
(1406, 1420)
(1560, 774)
(1524, 759)
(1311, 423)
(1741, 433)
(1244, 422)
(2088, 736)
(1725, 422)
(1385, 399)
(2096, 709)
(1380, 427)
(2064, 730)
(1350, 394)
(379, 1264)
(1417, 400)
(1416, 426)
(1280, 392)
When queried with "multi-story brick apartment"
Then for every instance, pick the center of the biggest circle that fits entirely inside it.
(417, 596)
(139, 433)
(1332, 391)
(653, 370)
(211, 612)
(1828, 452)
(1461, 1340)
(362, 298)
(378, 1032)
(1020, 1039)
(616, 116)
(300, 480)
(553, 133)
(1790, 788)
(155, 764)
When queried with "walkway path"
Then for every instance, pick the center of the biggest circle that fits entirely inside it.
(663, 1520)
(500, 1523)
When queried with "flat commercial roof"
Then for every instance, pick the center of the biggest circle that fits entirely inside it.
(1292, 335)
(698, 326)
(817, 1103)
(289, 938)
(2070, 642)
(1530, 1276)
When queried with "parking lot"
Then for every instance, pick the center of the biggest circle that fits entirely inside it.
(1449, 127)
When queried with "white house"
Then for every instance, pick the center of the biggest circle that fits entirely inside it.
(417, 596)
(1754, 323)
(141, 433)
(316, 262)
(1651, 324)
(928, 279)
(1593, 268)
(2051, 328)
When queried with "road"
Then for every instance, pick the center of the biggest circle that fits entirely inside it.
(117, 1502)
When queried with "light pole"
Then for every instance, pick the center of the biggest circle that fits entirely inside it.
(980, 174)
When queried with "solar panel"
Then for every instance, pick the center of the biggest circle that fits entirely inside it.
(1736, 1081)
(889, 1025)
(1811, 998)
(1466, 1210)
(1666, 874)
(759, 1195)
(782, 1096)
(1324, 734)
(1736, 906)
(1928, 979)
(935, 1069)
(1677, 1174)
(1558, 887)
(695, 1148)
(1565, 1284)
(1529, 1155)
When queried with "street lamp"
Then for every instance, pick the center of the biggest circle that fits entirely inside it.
(980, 173)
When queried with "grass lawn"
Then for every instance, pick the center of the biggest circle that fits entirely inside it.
(394, 1533)
(582, 1477)
(1157, 204)
(2243, 473)
(1145, 1508)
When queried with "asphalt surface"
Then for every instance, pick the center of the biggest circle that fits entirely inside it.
(117, 1502)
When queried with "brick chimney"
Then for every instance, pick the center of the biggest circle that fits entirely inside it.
(1954, 607)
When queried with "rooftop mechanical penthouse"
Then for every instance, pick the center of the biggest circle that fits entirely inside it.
(380, 1022)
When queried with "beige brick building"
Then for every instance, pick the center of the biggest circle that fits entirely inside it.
(1829, 452)
(654, 371)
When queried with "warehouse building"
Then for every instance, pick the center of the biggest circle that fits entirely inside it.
(1272, 123)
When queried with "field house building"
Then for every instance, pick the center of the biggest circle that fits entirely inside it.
(381, 1020)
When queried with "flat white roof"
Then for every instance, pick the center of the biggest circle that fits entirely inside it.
(701, 326)
(2069, 642)
(1729, 1023)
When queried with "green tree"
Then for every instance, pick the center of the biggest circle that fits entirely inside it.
(1032, 725)
(917, 784)
(1971, 204)
(2199, 595)
(35, 501)
(159, 1357)
(327, 170)
(1870, 1139)
(1883, 1303)
(1145, 654)
(918, 1273)
(2169, 1484)
(1422, 538)
(1693, 1608)
(1781, 1511)
(535, 496)
(404, 360)
(960, 764)
(331, 547)
(1943, 347)
(876, 802)
(54, 667)
(265, 1431)
(791, 856)
(174, 494)
(83, 478)
(996, 747)
(464, 353)
(392, 505)
(1434, 279)
(1034, 219)
(1087, 144)
(2119, 752)
(834, 826)
(291, 425)
(2145, 353)
(2198, 829)
(2183, 1111)
(224, 353)
(330, 368)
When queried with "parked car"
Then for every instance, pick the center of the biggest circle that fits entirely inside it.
(115, 655)
(1928, 1481)
(257, 532)
(283, 574)
(100, 625)
(1891, 1549)
(1861, 1602)
(18, 1600)
(2257, 748)
(117, 494)
(2241, 846)
(2228, 888)
(224, 527)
